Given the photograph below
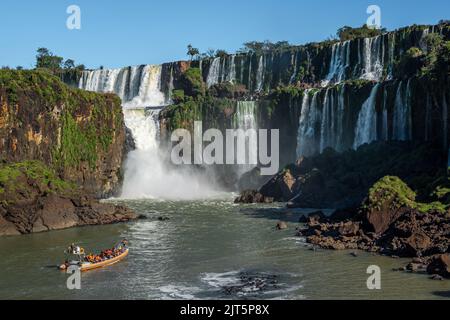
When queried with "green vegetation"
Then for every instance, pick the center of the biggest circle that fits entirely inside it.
(178, 96)
(193, 83)
(87, 120)
(192, 52)
(45, 59)
(16, 176)
(437, 60)
(409, 63)
(260, 47)
(394, 191)
(348, 33)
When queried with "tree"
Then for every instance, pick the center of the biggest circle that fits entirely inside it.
(210, 53)
(81, 67)
(69, 64)
(221, 53)
(46, 59)
(192, 52)
(348, 33)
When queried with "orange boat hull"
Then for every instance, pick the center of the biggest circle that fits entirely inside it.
(92, 266)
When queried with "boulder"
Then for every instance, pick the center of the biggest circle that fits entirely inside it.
(253, 196)
(387, 201)
(418, 242)
(349, 229)
(281, 225)
(282, 187)
(440, 265)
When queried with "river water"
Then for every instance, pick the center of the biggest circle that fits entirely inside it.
(203, 250)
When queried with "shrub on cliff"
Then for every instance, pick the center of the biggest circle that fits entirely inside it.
(79, 133)
(348, 33)
(21, 176)
(192, 82)
(390, 189)
(410, 63)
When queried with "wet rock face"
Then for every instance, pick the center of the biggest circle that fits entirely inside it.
(81, 134)
(440, 265)
(253, 196)
(34, 199)
(54, 212)
(341, 180)
(389, 222)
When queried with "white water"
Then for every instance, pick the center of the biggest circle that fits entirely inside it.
(150, 94)
(214, 72)
(340, 61)
(245, 118)
(366, 126)
(260, 74)
(402, 113)
(309, 118)
(148, 173)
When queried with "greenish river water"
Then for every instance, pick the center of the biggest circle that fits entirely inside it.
(206, 250)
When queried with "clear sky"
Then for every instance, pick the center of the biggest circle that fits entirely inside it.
(118, 33)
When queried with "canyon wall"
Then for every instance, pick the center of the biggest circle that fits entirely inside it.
(81, 134)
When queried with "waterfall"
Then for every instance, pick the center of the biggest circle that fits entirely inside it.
(306, 144)
(391, 53)
(340, 120)
(231, 74)
(372, 59)
(214, 73)
(260, 74)
(137, 86)
(384, 128)
(423, 40)
(340, 61)
(366, 126)
(148, 173)
(150, 94)
(402, 113)
(245, 119)
(294, 64)
(327, 121)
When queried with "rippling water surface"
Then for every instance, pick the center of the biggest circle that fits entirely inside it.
(203, 250)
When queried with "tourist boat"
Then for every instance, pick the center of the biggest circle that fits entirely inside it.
(78, 260)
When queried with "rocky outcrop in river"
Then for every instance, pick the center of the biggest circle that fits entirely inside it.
(389, 221)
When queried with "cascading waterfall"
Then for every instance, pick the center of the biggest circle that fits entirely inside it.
(402, 113)
(366, 126)
(214, 73)
(231, 75)
(309, 117)
(150, 94)
(340, 61)
(384, 128)
(147, 171)
(245, 119)
(260, 74)
(372, 59)
(326, 127)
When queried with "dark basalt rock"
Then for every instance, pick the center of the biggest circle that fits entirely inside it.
(341, 180)
(403, 228)
(252, 196)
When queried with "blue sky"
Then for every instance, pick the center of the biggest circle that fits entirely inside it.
(121, 33)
